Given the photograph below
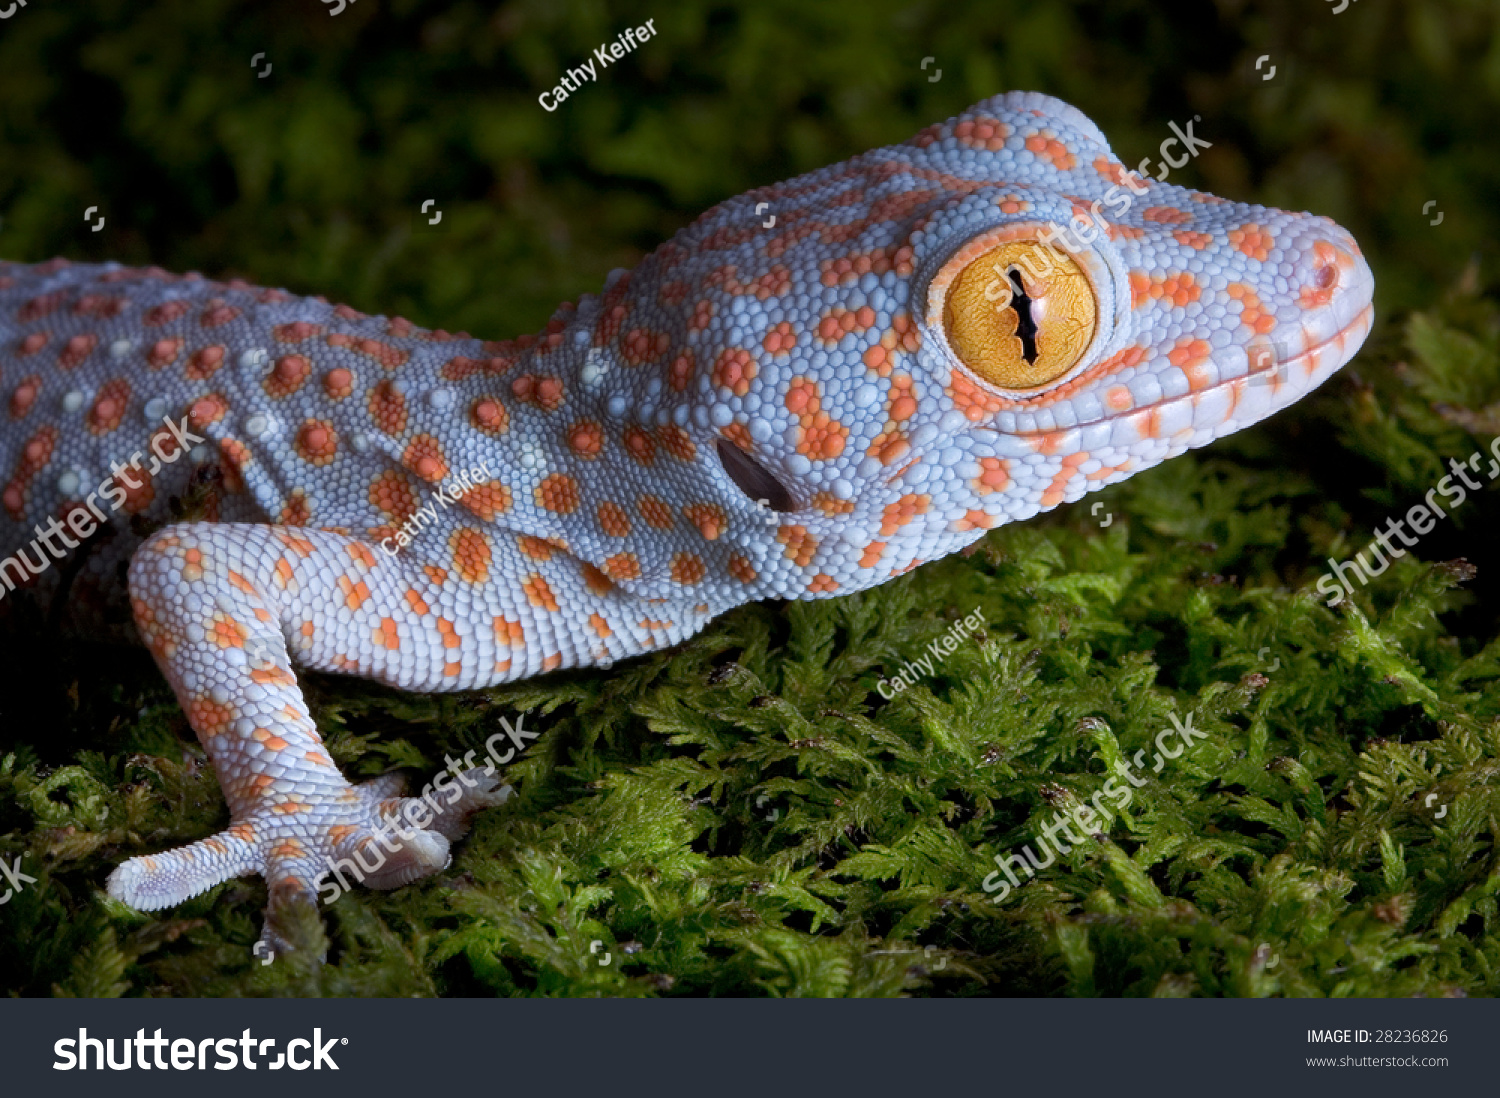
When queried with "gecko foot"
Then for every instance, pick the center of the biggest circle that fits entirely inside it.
(447, 806)
(367, 834)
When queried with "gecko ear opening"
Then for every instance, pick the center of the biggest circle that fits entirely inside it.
(1020, 315)
(753, 478)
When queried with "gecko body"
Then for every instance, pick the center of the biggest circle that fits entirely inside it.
(905, 359)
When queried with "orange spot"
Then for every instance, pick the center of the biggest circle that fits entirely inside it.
(295, 332)
(24, 396)
(362, 554)
(800, 545)
(780, 340)
(218, 314)
(389, 357)
(471, 554)
(1188, 352)
(76, 350)
(739, 434)
(109, 406)
(387, 407)
(487, 500)
(708, 518)
(1166, 215)
(338, 383)
(355, 594)
(227, 633)
(509, 634)
(687, 569)
(677, 442)
(641, 345)
(639, 445)
(1255, 241)
(994, 476)
(537, 593)
(209, 409)
(1046, 145)
(535, 548)
(392, 493)
(586, 439)
(288, 375)
(1057, 490)
(489, 416)
(613, 520)
(388, 635)
(558, 493)
(983, 132)
(299, 545)
(681, 371)
(822, 438)
(891, 446)
(297, 511)
(1252, 314)
(900, 513)
(317, 442)
(831, 505)
(622, 566)
(424, 456)
(734, 370)
(741, 568)
(205, 362)
(1179, 289)
(655, 512)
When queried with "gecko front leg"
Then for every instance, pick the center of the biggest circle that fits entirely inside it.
(218, 605)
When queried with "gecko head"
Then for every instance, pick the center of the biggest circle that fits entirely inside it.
(984, 323)
(1088, 323)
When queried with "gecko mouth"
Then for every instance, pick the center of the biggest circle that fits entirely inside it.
(1235, 402)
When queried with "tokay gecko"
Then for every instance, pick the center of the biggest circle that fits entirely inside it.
(928, 341)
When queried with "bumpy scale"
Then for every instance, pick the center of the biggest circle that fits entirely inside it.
(901, 363)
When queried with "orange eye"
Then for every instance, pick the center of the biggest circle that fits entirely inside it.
(1021, 315)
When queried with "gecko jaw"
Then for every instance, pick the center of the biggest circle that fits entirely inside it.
(1228, 405)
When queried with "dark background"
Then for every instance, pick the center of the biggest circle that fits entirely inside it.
(312, 179)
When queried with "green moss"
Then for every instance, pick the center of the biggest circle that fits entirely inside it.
(746, 814)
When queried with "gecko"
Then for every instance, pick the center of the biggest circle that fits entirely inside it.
(918, 345)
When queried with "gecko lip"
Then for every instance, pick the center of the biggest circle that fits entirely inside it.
(1235, 402)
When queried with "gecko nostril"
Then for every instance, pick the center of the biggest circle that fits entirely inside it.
(753, 478)
(1326, 276)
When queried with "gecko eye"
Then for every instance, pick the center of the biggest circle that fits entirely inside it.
(1020, 315)
(753, 478)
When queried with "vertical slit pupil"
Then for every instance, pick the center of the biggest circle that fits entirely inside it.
(1026, 328)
